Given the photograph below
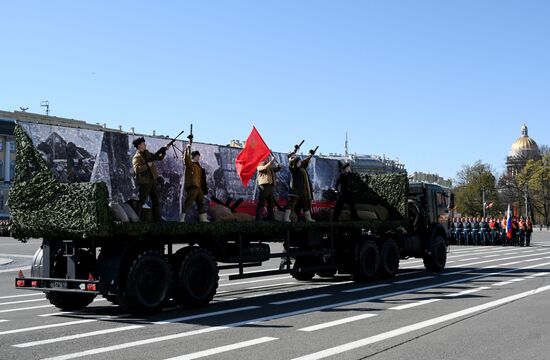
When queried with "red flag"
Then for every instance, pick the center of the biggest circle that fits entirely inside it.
(255, 150)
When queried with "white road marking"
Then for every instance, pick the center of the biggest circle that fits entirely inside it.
(256, 281)
(1, 321)
(418, 326)
(22, 301)
(512, 263)
(257, 295)
(17, 255)
(537, 259)
(336, 322)
(469, 291)
(299, 299)
(200, 316)
(223, 349)
(77, 336)
(490, 256)
(26, 308)
(414, 304)
(413, 280)
(20, 296)
(101, 350)
(15, 331)
(470, 259)
(366, 288)
(271, 285)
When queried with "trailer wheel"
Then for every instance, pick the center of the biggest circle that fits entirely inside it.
(197, 279)
(147, 284)
(389, 259)
(368, 261)
(301, 262)
(436, 258)
(70, 301)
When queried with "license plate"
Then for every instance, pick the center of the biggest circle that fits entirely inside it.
(58, 284)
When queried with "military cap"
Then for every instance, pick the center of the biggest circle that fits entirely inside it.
(195, 153)
(138, 141)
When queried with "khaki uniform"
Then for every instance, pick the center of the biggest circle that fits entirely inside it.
(146, 180)
(195, 184)
(266, 183)
(301, 193)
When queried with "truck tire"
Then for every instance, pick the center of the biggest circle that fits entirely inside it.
(367, 261)
(303, 261)
(389, 259)
(148, 284)
(197, 279)
(436, 257)
(327, 273)
(70, 301)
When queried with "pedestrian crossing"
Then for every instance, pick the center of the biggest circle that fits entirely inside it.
(292, 305)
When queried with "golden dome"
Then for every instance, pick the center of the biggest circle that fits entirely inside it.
(524, 147)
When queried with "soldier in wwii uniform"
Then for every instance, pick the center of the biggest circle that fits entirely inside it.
(195, 184)
(146, 173)
(301, 190)
(344, 185)
(266, 183)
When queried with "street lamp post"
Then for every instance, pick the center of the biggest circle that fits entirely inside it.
(483, 194)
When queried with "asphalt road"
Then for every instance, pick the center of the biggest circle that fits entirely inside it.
(490, 303)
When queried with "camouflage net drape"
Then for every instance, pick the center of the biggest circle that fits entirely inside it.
(41, 206)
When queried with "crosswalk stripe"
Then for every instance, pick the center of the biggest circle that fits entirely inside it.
(414, 304)
(42, 327)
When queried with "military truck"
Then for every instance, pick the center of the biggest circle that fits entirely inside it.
(143, 266)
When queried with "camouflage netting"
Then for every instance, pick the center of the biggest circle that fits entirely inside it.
(388, 191)
(41, 206)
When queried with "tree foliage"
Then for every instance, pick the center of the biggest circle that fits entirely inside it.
(534, 179)
(472, 183)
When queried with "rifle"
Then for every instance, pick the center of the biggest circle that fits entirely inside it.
(190, 136)
(313, 151)
(296, 148)
(162, 150)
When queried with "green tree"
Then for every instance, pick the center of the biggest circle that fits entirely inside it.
(535, 180)
(473, 184)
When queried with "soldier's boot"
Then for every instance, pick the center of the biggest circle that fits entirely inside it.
(307, 215)
(182, 217)
(287, 215)
(203, 218)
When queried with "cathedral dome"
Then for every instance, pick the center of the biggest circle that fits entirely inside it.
(524, 147)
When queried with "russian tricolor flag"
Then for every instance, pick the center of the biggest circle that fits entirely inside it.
(509, 223)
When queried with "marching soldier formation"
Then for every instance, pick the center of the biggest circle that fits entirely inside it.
(491, 231)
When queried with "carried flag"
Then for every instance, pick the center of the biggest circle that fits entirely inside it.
(509, 223)
(255, 150)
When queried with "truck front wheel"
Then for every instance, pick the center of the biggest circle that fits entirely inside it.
(389, 259)
(368, 261)
(147, 284)
(197, 278)
(436, 256)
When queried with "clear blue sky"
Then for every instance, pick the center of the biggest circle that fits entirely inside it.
(437, 84)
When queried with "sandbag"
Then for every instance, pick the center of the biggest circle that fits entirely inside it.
(118, 213)
(221, 213)
(132, 216)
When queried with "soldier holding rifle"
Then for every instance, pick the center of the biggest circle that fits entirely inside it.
(301, 189)
(266, 182)
(195, 181)
(146, 173)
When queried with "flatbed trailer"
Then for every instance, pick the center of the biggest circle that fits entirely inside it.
(142, 266)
